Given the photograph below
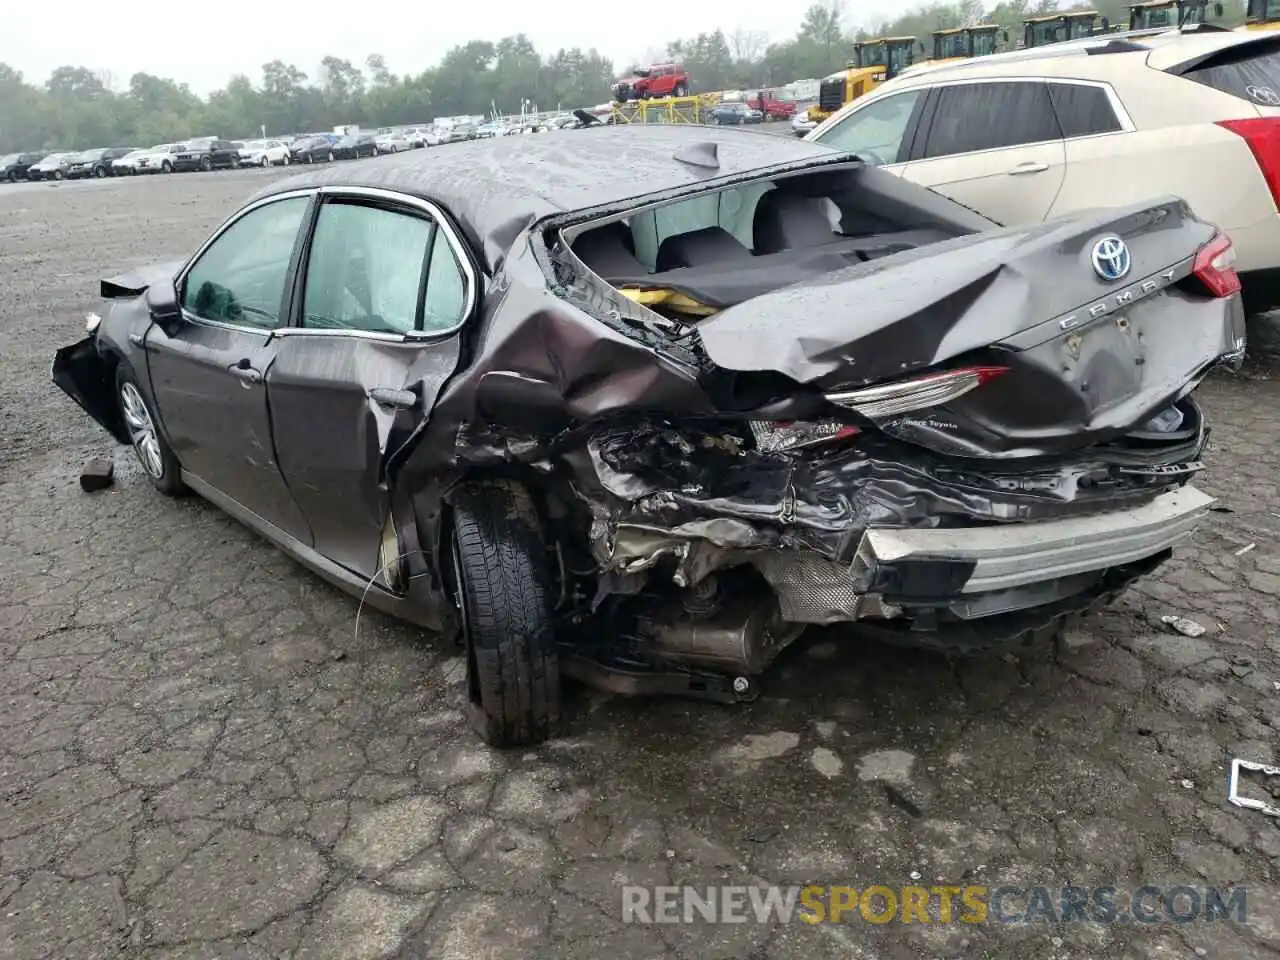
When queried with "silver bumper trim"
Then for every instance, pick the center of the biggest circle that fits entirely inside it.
(1016, 554)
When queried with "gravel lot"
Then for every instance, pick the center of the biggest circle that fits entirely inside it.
(200, 759)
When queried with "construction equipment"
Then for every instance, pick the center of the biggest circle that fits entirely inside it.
(1056, 27)
(1154, 14)
(874, 62)
(960, 43)
(1261, 15)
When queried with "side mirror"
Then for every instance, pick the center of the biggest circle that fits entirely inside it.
(163, 305)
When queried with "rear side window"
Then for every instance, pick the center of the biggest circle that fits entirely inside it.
(1250, 71)
(1083, 110)
(989, 116)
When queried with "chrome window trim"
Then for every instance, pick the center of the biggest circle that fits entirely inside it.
(438, 217)
(924, 86)
(1126, 122)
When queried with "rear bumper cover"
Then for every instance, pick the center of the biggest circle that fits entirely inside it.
(969, 571)
(1016, 555)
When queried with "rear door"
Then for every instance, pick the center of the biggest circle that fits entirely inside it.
(386, 288)
(993, 145)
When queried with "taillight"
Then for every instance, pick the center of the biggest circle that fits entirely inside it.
(1262, 134)
(1215, 266)
(904, 396)
(775, 436)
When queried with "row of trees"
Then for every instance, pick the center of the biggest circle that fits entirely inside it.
(78, 108)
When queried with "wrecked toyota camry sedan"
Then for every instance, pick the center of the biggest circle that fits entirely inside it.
(636, 406)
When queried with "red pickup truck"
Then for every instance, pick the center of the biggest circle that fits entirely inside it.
(767, 102)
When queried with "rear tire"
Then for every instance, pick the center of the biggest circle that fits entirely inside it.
(149, 446)
(502, 585)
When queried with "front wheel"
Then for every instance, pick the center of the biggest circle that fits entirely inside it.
(166, 167)
(264, 162)
(502, 587)
(153, 453)
(682, 90)
(58, 175)
(206, 164)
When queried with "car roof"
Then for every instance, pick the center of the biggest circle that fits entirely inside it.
(495, 187)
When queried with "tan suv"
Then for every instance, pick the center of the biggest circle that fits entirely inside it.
(1033, 134)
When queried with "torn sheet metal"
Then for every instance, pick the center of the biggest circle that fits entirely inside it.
(1248, 803)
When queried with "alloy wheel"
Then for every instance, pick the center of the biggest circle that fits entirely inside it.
(142, 430)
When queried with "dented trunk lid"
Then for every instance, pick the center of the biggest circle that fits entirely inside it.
(1089, 359)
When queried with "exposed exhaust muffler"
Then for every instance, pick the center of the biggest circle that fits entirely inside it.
(742, 635)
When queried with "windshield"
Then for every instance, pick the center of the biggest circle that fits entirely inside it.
(870, 56)
(1038, 34)
(1264, 9)
(948, 46)
(255, 145)
(1079, 27)
(1250, 71)
(899, 58)
(984, 44)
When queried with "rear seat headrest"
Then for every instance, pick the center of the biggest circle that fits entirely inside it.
(610, 251)
(699, 248)
(786, 221)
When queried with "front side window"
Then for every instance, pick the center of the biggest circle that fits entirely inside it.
(240, 278)
(876, 131)
(990, 116)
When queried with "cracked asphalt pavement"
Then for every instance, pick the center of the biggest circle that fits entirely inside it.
(200, 758)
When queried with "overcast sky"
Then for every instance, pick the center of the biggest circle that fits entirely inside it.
(203, 44)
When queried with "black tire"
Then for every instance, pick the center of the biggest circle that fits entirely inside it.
(169, 480)
(682, 90)
(206, 164)
(99, 172)
(330, 156)
(503, 590)
(264, 162)
(166, 167)
(58, 175)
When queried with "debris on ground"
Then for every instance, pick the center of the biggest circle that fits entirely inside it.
(1188, 628)
(97, 474)
(1245, 549)
(1233, 789)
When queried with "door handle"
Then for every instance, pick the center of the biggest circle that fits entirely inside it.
(388, 397)
(1028, 166)
(242, 371)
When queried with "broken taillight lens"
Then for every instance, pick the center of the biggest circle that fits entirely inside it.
(904, 396)
(775, 436)
(1215, 266)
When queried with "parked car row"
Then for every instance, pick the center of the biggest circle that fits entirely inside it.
(213, 153)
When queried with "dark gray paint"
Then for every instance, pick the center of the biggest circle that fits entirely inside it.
(555, 366)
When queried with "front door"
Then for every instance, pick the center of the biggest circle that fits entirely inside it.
(385, 291)
(209, 378)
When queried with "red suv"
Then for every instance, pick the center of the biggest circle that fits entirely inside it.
(658, 80)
